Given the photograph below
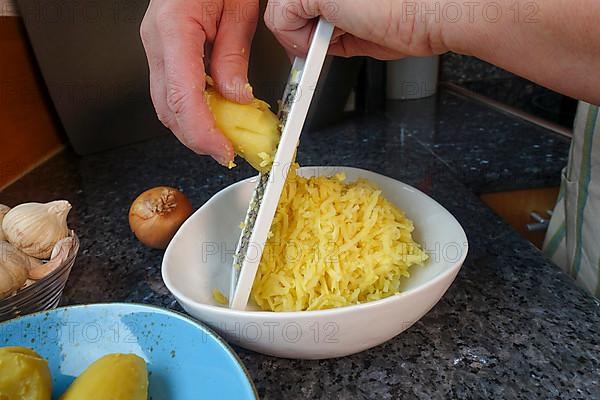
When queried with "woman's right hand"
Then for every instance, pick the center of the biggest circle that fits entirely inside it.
(385, 30)
(553, 43)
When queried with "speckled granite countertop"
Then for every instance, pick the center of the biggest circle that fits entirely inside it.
(511, 326)
(485, 149)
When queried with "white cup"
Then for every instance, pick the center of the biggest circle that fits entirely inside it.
(412, 78)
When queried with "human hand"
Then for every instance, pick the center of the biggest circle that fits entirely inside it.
(381, 29)
(536, 40)
(174, 34)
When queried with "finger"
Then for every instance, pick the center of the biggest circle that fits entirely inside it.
(349, 46)
(296, 42)
(153, 49)
(231, 50)
(337, 32)
(291, 24)
(158, 93)
(183, 44)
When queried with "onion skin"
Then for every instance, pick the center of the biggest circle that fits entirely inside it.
(156, 215)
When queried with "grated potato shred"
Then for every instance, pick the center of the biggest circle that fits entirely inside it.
(333, 244)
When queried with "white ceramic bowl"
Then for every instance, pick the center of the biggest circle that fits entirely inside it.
(199, 260)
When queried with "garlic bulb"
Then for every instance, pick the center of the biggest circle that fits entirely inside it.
(3, 210)
(35, 228)
(14, 268)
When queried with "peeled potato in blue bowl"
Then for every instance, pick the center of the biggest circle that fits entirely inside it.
(24, 374)
(184, 359)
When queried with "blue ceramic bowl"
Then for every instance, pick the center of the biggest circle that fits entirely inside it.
(186, 360)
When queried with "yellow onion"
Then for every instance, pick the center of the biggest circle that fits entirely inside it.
(156, 215)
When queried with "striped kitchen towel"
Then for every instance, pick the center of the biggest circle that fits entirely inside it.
(573, 238)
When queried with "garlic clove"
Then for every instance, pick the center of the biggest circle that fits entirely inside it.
(68, 241)
(35, 228)
(60, 252)
(14, 266)
(3, 211)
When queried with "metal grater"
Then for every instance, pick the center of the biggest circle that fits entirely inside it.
(263, 178)
(293, 109)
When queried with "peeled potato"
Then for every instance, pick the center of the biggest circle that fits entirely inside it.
(252, 128)
(114, 377)
(24, 375)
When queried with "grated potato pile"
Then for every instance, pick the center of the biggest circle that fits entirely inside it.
(333, 244)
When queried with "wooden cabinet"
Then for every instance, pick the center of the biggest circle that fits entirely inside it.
(29, 133)
(516, 206)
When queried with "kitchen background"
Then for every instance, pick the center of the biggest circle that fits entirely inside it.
(73, 76)
(77, 76)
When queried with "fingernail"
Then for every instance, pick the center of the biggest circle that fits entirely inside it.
(223, 155)
(231, 90)
(248, 91)
(237, 90)
(217, 147)
(221, 160)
